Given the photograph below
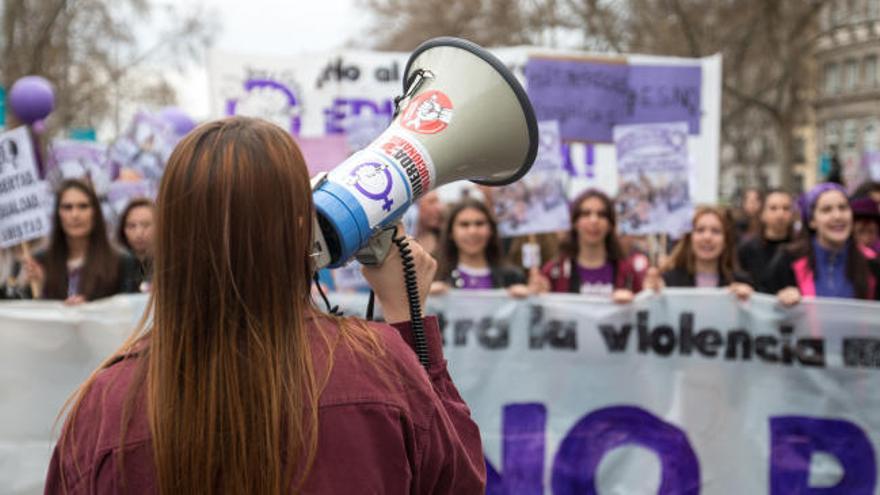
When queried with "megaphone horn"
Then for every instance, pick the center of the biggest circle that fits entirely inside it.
(462, 115)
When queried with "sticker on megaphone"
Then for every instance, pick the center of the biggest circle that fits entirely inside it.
(384, 180)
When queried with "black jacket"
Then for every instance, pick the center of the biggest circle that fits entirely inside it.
(755, 256)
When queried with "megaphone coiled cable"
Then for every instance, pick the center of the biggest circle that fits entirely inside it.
(417, 323)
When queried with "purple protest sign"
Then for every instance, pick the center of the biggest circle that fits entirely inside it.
(587, 98)
(69, 159)
(590, 97)
(664, 93)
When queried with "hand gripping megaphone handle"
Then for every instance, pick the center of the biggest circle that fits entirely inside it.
(374, 253)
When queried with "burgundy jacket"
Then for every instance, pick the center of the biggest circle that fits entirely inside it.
(417, 437)
(563, 278)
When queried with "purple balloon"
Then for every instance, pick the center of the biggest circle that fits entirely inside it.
(179, 120)
(32, 98)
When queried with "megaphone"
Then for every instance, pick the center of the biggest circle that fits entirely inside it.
(462, 115)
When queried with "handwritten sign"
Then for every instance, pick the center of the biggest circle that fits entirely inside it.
(652, 161)
(22, 194)
(589, 98)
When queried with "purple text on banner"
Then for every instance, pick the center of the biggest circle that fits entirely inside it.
(589, 98)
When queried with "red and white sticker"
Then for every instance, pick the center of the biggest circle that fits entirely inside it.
(428, 113)
(412, 158)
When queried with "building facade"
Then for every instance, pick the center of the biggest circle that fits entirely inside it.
(848, 102)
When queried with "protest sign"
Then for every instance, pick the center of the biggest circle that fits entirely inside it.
(22, 194)
(351, 92)
(653, 195)
(141, 153)
(685, 392)
(536, 203)
(71, 159)
(590, 96)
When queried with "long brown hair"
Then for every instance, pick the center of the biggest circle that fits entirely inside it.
(232, 390)
(100, 271)
(613, 250)
(683, 258)
(121, 238)
(448, 249)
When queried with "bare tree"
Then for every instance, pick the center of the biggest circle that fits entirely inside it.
(767, 46)
(403, 24)
(99, 54)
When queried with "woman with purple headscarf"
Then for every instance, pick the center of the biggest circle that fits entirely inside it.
(826, 261)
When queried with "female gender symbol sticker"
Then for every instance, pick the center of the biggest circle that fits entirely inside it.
(373, 180)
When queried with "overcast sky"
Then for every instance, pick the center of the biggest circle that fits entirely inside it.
(272, 27)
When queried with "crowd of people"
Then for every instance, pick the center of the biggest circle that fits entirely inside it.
(239, 383)
(80, 261)
(822, 243)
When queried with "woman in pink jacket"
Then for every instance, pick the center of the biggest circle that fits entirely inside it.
(238, 384)
(826, 261)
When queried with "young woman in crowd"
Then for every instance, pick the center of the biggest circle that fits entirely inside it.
(866, 222)
(80, 264)
(825, 261)
(748, 223)
(135, 234)
(238, 384)
(592, 261)
(704, 257)
(470, 253)
(776, 228)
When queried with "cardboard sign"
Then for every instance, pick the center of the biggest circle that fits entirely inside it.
(22, 194)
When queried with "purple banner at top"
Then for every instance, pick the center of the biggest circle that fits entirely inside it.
(589, 98)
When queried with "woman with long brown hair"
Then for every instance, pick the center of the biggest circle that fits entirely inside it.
(704, 257)
(592, 261)
(135, 233)
(470, 253)
(80, 264)
(235, 382)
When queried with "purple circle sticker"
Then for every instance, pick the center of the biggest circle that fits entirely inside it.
(374, 181)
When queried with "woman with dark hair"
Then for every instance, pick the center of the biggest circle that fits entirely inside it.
(704, 257)
(80, 264)
(592, 262)
(470, 253)
(826, 261)
(135, 233)
(237, 383)
(776, 228)
(747, 217)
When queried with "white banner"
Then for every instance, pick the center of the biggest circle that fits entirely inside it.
(688, 392)
(22, 193)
